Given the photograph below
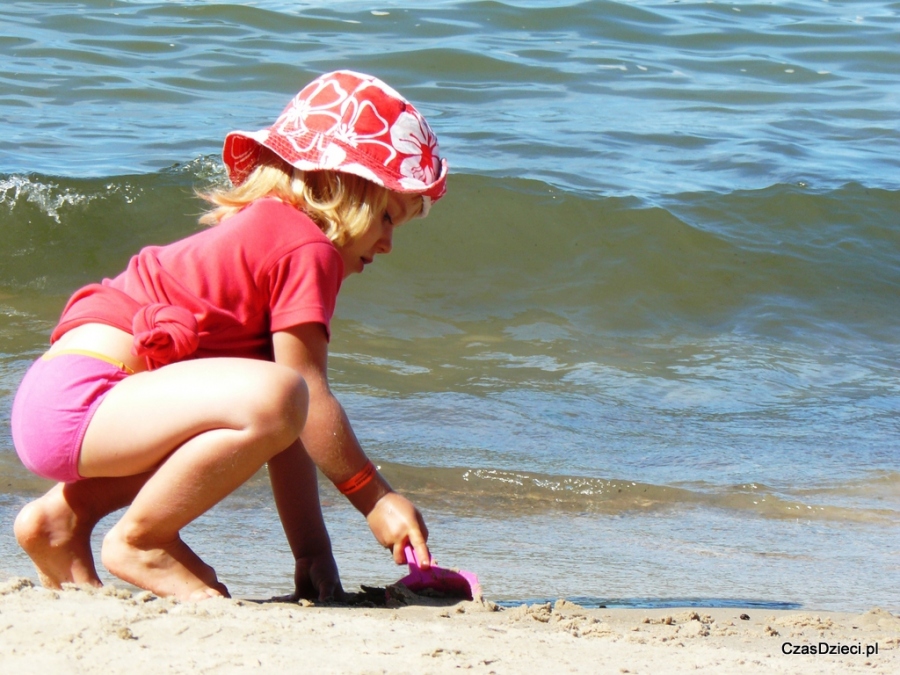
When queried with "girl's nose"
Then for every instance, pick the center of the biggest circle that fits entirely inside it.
(386, 243)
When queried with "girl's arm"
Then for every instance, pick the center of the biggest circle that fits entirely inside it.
(296, 490)
(329, 440)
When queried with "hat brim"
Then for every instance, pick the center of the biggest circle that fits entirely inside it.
(241, 153)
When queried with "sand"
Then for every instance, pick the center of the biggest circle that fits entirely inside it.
(116, 630)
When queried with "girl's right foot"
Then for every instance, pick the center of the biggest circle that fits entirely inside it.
(168, 569)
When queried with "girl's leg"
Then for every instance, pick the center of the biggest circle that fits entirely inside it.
(202, 428)
(55, 530)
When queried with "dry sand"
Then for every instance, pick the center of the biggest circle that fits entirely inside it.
(114, 630)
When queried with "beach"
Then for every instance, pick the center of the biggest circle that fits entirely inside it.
(643, 356)
(115, 630)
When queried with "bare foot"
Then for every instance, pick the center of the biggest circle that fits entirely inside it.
(57, 540)
(169, 569)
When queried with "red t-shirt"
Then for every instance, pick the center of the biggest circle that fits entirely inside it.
(264, 269)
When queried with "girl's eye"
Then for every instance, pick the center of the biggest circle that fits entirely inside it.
(388, 219)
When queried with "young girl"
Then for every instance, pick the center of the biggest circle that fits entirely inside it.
(169, 386)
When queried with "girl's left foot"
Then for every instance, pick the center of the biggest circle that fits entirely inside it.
(57, 540)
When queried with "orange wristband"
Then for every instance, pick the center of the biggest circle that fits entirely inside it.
(358, 481)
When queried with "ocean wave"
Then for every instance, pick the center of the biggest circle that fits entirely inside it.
(523, 493)
(785, 260)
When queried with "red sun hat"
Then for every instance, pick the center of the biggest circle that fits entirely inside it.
(353, 123)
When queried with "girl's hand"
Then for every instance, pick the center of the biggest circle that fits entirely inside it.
(315, 578)
(395, 522)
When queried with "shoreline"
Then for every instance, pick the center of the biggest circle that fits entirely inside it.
(116, 630)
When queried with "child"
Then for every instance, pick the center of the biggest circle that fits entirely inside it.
(166, 388)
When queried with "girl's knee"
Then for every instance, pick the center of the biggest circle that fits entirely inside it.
(295, 401)
(284, 405)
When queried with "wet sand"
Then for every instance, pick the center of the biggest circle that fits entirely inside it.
(114, 630)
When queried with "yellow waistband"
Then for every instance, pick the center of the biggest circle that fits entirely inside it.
(93, 355)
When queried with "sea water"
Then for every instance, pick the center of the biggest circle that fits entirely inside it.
(645, 351)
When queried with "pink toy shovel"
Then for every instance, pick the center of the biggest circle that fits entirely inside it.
(448, 582)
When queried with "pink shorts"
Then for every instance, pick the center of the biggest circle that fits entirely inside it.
(53, 407)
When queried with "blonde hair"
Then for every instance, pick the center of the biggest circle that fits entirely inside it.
(341, 204)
